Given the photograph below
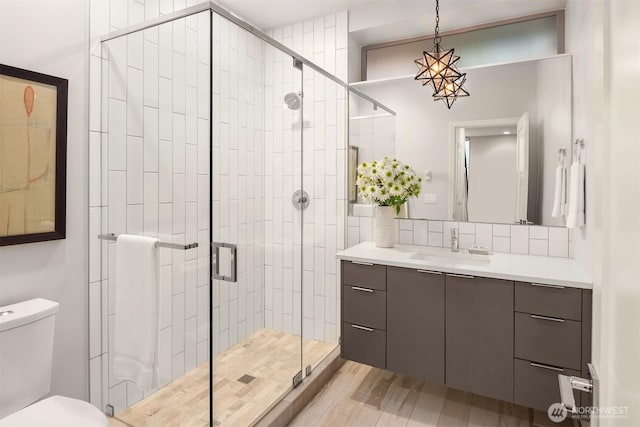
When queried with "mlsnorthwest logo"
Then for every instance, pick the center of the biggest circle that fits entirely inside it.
(557, 412)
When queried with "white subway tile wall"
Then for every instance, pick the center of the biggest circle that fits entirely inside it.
(520, 239)
(322, 159)
(149, 126)
(238, 196)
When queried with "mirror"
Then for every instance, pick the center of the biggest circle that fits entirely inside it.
(371, 137)
(519, 178)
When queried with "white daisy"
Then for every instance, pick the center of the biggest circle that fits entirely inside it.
(364, 168)
(396, 190)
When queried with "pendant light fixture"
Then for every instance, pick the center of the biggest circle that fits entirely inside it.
(438, 69)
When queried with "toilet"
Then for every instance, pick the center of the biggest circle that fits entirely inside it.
(26, 350)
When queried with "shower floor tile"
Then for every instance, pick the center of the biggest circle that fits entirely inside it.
(272, 357)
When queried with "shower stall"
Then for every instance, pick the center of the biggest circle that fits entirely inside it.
(230, 148)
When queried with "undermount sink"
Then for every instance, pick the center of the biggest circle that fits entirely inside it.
(460, 258)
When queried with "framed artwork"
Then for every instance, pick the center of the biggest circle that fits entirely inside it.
(353, 173)
(33, 156)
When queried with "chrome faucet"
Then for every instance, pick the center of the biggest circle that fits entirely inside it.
(454, 240)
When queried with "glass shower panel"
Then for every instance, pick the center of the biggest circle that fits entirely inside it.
(324, 157)
(257, 125)
(156, 180)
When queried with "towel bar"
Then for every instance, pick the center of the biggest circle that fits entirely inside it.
(113, 238)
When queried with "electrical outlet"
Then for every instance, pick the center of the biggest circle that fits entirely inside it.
(431, 198)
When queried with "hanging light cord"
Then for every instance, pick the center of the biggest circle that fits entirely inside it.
(436, 39)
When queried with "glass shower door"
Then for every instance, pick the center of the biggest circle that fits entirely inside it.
(155, 180)
(256, 225)
(323, 160)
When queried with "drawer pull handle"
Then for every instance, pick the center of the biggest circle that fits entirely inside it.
(542, 285)
(462, 276)
(551, 368)
(429, 272)
(553, 319)
(358, 288)
(362, 263)
(364, 328)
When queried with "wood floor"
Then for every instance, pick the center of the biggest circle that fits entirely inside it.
(272, 357)
(362, 396)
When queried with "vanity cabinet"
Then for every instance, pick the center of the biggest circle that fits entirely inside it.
(415, 323)
(479, 335)
(497, 338)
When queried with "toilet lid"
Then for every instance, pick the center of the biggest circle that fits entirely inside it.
(57, 411)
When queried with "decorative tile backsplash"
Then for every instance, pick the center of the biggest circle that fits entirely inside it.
(517, 239)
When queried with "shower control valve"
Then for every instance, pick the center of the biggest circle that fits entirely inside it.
(300, 199)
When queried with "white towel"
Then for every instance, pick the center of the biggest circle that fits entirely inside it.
(575, 216)
(559, 196)
(136, 332)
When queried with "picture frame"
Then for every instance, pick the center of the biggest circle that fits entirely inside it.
(353, 173)
(33, 156)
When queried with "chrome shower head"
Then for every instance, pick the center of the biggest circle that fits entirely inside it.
(293, 101)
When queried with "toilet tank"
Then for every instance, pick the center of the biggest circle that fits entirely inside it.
(26, 349)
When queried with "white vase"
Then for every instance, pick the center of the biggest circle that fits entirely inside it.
(384, 230)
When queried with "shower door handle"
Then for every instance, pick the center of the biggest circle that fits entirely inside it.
(233, 261)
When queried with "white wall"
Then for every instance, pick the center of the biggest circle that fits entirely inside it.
(605, 40)
(51, 37)
(620, 309)
(492, 178)
(354, 59)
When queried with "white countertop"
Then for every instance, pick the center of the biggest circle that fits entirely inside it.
(524, 268)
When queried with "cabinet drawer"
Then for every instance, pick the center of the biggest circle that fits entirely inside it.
(364, 306)
(364, 345)
(536, 385)
(367, 276)
(546, 340)
(546, 300)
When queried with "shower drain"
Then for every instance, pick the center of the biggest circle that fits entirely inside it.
(246, 379)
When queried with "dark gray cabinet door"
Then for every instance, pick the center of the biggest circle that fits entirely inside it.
(364, 307)
(479, 336)
(548, 340)
(536, 384)
(364, 345)
(366, 275)
(415, 323)
(545, 300)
